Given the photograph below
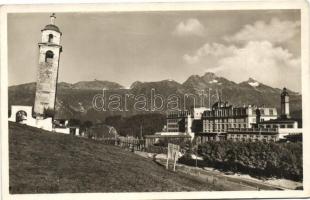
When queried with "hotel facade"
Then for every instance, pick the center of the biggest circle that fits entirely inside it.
(224, 121)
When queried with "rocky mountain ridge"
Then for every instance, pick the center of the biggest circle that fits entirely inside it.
(76, 100)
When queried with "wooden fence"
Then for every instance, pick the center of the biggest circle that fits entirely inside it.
(133, 144)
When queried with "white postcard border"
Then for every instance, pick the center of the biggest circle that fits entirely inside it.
(129, 7)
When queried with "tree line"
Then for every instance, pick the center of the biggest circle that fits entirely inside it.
(281, 160)
(137, 125)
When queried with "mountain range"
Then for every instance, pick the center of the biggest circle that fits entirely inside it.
(75, 100)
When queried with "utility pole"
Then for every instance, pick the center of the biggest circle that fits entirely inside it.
(196, 155)
(141, 131)
(209, 97)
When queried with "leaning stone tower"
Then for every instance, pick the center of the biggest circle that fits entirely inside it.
(47, 73)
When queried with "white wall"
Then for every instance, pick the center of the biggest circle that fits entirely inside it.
(62, 130)
(46, 124)
(56, 36)
(287, 131)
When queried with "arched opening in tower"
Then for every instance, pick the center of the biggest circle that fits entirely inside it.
(49, 57)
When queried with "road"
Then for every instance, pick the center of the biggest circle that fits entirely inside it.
(228, 183)
(236, 181)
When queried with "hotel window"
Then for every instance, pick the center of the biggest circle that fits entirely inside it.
(262, 112)
(270, 111)
(282, 126)
(290, 126)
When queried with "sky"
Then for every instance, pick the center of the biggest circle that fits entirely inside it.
(153, 46)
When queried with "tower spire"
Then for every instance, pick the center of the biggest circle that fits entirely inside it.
(53, 17)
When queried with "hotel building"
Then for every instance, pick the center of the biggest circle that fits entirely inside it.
(224, 121)
(224, 116)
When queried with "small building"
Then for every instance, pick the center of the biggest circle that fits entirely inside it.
(23, 115)
(63, 126)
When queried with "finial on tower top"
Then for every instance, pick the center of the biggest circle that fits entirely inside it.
(53, 17)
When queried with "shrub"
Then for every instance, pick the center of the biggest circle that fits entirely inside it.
(74, 122)
(182, 142)
(282, 160)
(157, 149)
(49, 113)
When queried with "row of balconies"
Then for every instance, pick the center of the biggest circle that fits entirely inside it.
(229, 120)
(252, 129)
(224, 126)
(251, 136)
(253, 139)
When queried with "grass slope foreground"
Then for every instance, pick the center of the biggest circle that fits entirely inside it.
(45, 162)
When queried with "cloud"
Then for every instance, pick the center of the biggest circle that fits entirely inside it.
(210, 52)
(189, 27)
(275, 31)
(274, 66)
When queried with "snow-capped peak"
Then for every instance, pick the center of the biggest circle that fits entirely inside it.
(213, 81)
(253, 82)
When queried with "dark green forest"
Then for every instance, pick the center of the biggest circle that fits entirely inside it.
(137, 125)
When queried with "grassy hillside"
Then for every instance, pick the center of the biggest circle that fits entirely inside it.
(44, 162)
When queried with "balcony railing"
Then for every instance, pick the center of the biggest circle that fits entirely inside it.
(253, 130)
